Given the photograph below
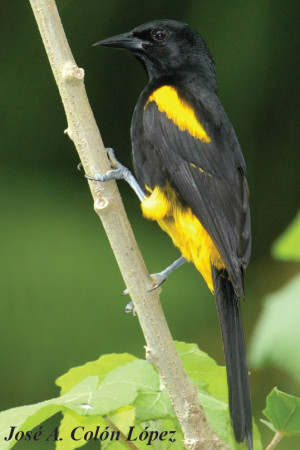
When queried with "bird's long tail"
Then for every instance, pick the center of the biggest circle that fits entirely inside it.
(228, 305)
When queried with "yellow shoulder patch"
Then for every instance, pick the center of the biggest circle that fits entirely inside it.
(180, 112)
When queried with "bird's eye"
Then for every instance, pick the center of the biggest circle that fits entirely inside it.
(158, 34)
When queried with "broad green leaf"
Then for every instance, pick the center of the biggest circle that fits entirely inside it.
(257, 444)
(217, 414)
(68, 425)
(283, 411)
(159, 433)
(120, 387)
(169, 424)
(100, 367)
(118, 395)
(213, 392)
(153, 405)
(287, 246)
(277, 334)
(123, 418)
(88, 399)
(150, 432)
(81, 397)
(203, 370)
(26, 418)
(114, 445)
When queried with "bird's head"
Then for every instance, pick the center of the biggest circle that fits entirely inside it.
(166, 48)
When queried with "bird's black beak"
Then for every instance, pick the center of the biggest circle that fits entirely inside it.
(126, 40)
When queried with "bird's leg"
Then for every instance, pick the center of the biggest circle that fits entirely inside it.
(158, 279)
(120, 172)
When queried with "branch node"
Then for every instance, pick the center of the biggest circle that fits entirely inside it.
(190, 443)
(68, 132)
(71, 72)
(100, 203)
(149, 353)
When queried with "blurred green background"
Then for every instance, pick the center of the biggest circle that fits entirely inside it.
(60, 285)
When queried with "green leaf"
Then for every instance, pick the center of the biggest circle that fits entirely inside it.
(287, 246)
(283, 411)
(123, 418)
(159, 426)
(163, 428)
(26, 418)
(101, 367)
(211, 381)
(119, 421)
(217, 414)
(168, 424)
(80, 397)
(69, 422)
(120, 387)
(277, 334)
(153, 405)
(203, 370)
(114, 445)
(119, 394)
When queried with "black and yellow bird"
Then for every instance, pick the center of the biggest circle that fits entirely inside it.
(191, 174)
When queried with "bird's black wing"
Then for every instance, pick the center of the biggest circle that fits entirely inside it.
(210, 179)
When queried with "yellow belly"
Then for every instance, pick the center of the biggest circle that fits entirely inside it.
(185, 229)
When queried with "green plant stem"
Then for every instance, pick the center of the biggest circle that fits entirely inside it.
(82, 129)
(123, 437)
(275, 441)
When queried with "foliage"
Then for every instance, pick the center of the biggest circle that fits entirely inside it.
(119, 391)
(287, 247)
(276, 338)
(104, 398)
(283, 412)
(277, 335)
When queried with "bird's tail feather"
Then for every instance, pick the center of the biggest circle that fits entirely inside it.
(228, 305)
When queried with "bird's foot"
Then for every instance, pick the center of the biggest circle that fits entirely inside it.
(118, 171)
(158, 279)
